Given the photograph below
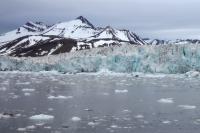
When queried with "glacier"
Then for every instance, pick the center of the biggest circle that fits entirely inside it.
(167, 59)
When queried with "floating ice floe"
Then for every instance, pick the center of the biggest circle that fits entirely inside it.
(166, 100)
(27, 94)
(197, 122)
(30, 127)
(28, 90)
(114, 126)
(105, 94)
(126, 111)
(192, 74)
(15, 96)
(5, 82)
(3, 89)
(47, 127)
(50, 109)
(187, 106)
(76, 119)
(18, 115)
(88, 110)
(21, 129)
(139, 116)
(121, 91)
(40, 124)
(5, 116)
(92, 124)
(41, 117)
(23, 83)
(60, 97)
(166, 122)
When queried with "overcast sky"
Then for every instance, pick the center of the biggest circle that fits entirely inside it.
(164, 19)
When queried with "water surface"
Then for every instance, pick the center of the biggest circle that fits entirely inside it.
(103, 103)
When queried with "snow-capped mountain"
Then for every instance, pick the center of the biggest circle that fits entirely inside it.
(83, 32)
(166, 42)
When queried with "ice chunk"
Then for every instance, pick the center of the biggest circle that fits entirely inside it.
(41, 117)
(50, 109)
(5, 116)
(121, 91)
(76, 119)
(139, 116)
(166, 100)
(15, 96)
(47, 127)
(92, 124)
(21, 129)
(27, 94)
(3, 89)
(192, 74)
(60, 97)
(126, 111)
(187, 106)
(28, 90)
(18, 115)
(30, 127)
(114, 126)
(197, 121)
(26, 128)
(166, 122)
(105, 94)
(23, 83)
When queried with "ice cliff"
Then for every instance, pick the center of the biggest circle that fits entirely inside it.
(168, 59)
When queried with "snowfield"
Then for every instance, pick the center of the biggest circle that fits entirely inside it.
(167, 59)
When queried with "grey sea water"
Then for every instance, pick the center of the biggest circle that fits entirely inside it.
(56, 103)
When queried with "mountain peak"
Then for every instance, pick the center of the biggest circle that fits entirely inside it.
(84, 20)
(110, 29)
(81, 18)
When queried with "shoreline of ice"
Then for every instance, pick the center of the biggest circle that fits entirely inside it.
(134, 74)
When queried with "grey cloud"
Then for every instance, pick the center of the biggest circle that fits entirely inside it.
(148, 18)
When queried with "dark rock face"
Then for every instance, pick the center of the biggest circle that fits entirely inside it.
(84, 20)
(52, 45)
(35, 27)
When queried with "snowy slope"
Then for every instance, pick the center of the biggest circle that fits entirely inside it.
(29, 28)
(76, 29)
